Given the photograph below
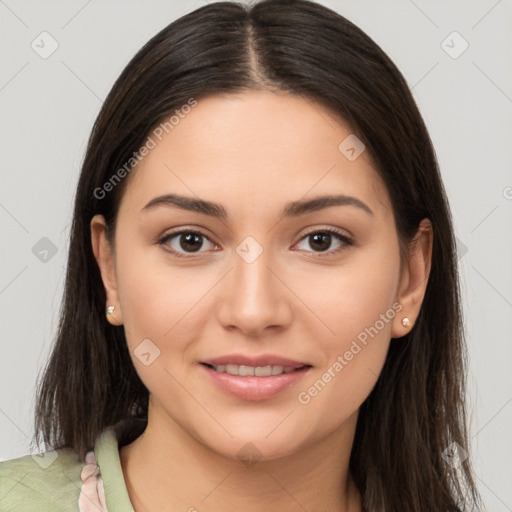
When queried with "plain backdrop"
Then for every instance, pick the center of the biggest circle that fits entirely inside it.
(461, 81)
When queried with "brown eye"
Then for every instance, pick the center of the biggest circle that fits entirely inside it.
(186, 241)
(321, 241)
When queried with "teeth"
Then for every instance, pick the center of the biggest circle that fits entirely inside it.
(258, 371)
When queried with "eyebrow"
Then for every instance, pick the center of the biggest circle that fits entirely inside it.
(292, 209)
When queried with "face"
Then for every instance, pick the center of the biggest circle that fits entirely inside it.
(317, 286)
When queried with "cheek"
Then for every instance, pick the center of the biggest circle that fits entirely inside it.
(359, 309)
(353, 362)
(156, 326)
(352, 297)
(155, 293)
(161, 303)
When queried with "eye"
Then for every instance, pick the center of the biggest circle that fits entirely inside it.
(321, 240)
(189, 241)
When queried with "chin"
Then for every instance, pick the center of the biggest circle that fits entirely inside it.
(249, 449)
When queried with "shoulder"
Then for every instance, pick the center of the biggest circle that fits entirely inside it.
(48, 481)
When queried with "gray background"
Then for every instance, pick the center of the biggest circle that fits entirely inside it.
(48, 106)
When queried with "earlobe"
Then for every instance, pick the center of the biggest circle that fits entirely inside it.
(414, 279)
(104, 256)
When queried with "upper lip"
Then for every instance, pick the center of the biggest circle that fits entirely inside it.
(262, 360)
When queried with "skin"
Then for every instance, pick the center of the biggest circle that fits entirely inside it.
(253, 152)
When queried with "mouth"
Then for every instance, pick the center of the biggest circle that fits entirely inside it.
(253, 383)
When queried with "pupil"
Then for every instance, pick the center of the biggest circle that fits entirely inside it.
(317, 239)
(191, 239)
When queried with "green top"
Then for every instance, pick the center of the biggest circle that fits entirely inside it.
(51, 482)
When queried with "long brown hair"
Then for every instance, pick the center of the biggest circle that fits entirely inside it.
(416, 410)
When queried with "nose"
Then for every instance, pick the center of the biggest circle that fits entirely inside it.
(254, 298)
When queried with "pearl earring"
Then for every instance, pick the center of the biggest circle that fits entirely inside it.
(406, 322)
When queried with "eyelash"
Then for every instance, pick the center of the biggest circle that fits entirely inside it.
(343, 238)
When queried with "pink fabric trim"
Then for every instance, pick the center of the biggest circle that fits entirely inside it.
(92, 492)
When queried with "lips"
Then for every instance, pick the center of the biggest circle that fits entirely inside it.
(233, 374)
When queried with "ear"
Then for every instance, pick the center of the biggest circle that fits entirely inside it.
(105, 258)
(414, 279)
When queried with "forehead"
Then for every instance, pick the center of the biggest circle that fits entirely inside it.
(253, 148)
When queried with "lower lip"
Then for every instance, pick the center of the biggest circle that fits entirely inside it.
(254, 388)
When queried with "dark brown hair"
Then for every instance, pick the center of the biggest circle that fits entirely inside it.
(416, 409)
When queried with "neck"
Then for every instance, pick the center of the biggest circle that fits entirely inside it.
(167, 469)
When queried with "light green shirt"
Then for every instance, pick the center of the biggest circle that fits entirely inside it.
(29, 484)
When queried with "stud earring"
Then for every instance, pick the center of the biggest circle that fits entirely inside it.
(109, 310)
(406, 322)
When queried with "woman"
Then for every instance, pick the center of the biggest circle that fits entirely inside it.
(261, 217)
